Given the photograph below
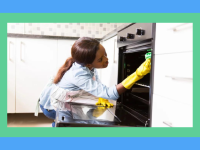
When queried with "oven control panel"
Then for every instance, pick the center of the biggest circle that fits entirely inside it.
(130, 36)
(134, 33)
(140, 32)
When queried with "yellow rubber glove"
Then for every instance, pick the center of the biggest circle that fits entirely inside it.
(144, 68)
(104, 102)
(98, 111)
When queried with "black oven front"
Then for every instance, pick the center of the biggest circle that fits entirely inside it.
(133, 43)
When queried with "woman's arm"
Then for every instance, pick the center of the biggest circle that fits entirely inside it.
(127, 83)
(83, 80)
(120, 88)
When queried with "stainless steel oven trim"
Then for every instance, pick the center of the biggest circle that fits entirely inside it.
(152, 73)
(138, 49)
(138, 45)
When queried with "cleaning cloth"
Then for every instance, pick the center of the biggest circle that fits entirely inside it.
(148, 55)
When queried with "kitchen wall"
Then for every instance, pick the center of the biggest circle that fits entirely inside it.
(95, 30)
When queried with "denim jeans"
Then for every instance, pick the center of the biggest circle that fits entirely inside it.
(51, 114)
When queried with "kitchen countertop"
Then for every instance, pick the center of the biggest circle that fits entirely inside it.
(41, 36)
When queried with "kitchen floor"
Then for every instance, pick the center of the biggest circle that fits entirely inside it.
(28, 120)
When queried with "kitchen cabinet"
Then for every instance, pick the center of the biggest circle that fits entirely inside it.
(173, 76)
(64, 51)
(30, 64)
(174, 37)
(35, 63)
(108, 76)
(170, 113)
(11, 63)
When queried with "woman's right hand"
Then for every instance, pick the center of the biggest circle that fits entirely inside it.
(144, 68)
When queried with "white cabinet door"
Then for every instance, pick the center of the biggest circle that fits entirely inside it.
(173, 77)
(108, 76)
(169, 113)
(35, 64)
(64, 51)
(11, 75)
(173, 37)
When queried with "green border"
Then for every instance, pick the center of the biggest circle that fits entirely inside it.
(89, 131)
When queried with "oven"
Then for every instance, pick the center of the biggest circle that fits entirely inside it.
(133, 43)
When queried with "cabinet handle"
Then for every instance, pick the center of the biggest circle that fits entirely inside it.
(179, 78)
(182, 27)
(9, 50)
(21, 44)
(10, 43)
(168, 123)
(114, 51)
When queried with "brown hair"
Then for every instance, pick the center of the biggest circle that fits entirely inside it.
(83, 52)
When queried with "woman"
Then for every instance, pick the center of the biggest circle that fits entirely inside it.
(79, 73)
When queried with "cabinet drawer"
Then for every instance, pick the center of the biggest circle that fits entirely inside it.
(173, 76)
(168, 113)
(173, 37)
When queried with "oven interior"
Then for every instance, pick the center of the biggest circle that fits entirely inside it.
(137, 99)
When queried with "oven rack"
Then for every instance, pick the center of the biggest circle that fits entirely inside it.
(141, 84)
(141, 117)
(139, 99)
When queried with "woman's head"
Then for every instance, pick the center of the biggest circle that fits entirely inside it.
(87, 52)
(90, 53)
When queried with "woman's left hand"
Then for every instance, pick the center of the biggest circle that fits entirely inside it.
(104, 102)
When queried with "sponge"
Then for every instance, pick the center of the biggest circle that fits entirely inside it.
(148, 55)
